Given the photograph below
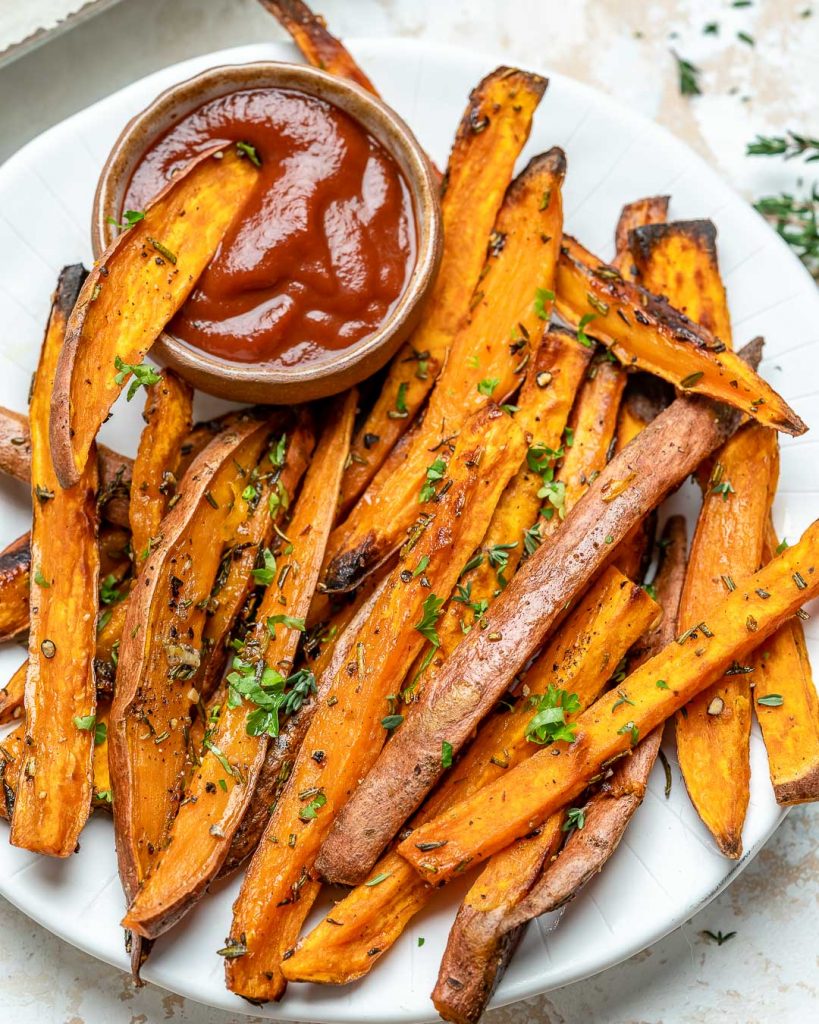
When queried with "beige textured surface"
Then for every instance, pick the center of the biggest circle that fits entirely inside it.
(769, 971)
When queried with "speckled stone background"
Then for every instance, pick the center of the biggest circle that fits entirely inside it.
(770, 970)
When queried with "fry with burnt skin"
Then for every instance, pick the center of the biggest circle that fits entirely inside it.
(481, 942)
(127, 298)
(487, 356)
(473, 830)
(645, 332)
(787, 706)
(260, 688)
(542, 410)
(492, 132)
(168, 418)
(651, 210)
(319, 47)
(713, 732)
(679, 260)
(15, 565)
(160, 655)
(354, 719)
(53, 794)
(579, 658)
(478, 672)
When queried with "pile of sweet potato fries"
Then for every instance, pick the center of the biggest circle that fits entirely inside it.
(381, 644)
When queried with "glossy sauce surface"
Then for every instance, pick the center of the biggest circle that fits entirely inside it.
(326, 243)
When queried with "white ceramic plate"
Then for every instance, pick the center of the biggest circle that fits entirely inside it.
(666, 867)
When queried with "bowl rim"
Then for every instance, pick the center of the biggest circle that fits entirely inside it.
(389, 129)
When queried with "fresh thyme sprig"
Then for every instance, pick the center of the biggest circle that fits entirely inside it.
(790, 145)
(797, 222)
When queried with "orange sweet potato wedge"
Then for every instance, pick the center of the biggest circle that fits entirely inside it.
(246, 536)
(542, 411)
(713, 731)
(487, 357)
(475, 829)
(235, 745)
(646, 333)
(580, 659)
(787, 706)
(650, 210)
(138, 284)
(168, 419)
(54, 788)
(588, 443)
(492, 132)
(679, 260)
(352, 719)
(319, 47)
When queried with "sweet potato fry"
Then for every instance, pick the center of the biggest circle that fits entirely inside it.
(349, 726)
(580, 658)
(651, 210)
(481, 940)
(543, 407)
(474, 829)
(137, 285)
(15, 563)
(12, 756)
(479, 670)
(645, 332)
(54, 789)
(787, 707)
(713, 731)
(115, 469)
(588, 444)
(160, 654)
(483, 366)
(217, 796)
(246, 536)
(492, 132)
(282, 750)
(319, 47)
(168, 422)
(679, 260)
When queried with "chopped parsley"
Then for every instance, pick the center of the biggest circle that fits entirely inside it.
(435, 472)
(549, 721)
(143, 376)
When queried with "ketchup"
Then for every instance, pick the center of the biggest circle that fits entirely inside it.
(324, 248)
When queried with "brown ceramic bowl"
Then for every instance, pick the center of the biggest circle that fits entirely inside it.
(338, 370)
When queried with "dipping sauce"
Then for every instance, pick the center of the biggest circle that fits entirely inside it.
(326, 243)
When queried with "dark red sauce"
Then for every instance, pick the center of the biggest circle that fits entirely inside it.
(325, 245)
